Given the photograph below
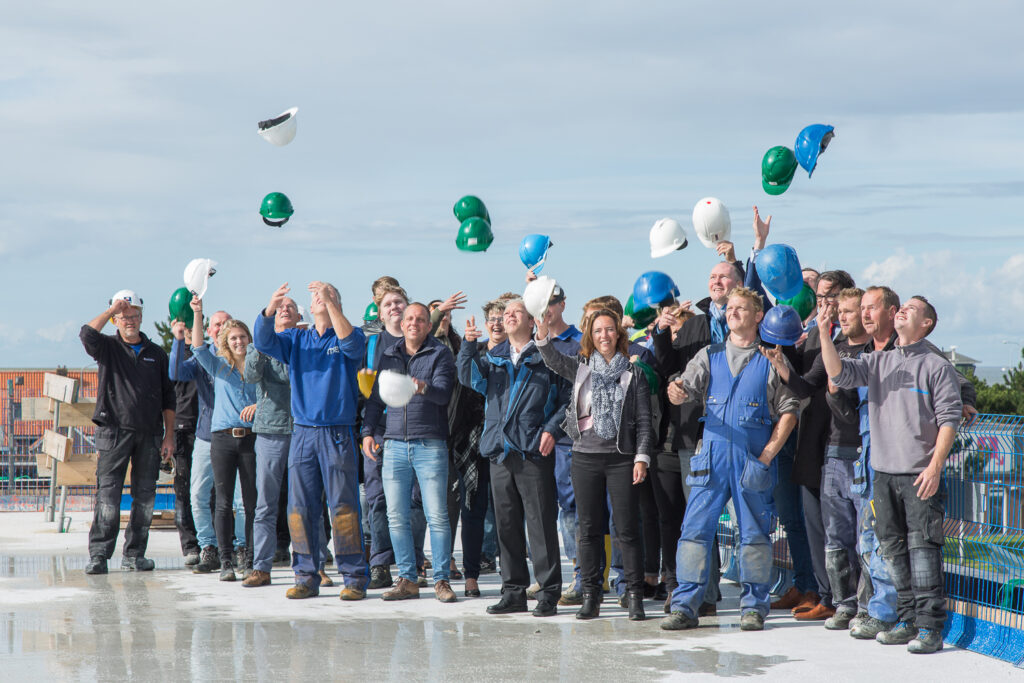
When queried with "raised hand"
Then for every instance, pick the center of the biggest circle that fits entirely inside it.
(197, 306)
(454, 302)
(761, 229)
(276, 299)
(726, 250)
(472, 333)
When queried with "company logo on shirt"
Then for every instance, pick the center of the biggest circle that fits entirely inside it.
(332, 350)
(149, 360)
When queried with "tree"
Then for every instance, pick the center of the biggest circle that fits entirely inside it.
(1003, 398)
(163, 330)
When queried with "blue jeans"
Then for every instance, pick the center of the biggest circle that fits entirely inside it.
(381, 552)
(490, 547)
(271, 466)
(840, 509)
(201, 487)
(426, 460)
(791, 516)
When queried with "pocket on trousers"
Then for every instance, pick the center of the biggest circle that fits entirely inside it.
(756, 476)
(105, 438)
(700, 468)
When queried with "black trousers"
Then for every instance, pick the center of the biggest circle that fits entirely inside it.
(597, 478)
(649, 531)
(118, 448)
(910, 533)
(815, 525)
(524, 491)
(671, 501)
(231, 456)
(184, 440)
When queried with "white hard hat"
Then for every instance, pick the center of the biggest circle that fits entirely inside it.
(279, 130)
(197, 274)
(711, 222)
(667, 236)
(396, 389)
(537, 295)
(129, 296)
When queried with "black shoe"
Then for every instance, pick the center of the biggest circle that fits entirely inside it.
(488, 565)
(707, 609)
(591, 607)
(678, 621)
(649, 591)
(137, 564)
(380, 577)
(247, 557)
(507, 605)
(545, 608)
(227, 572)
(661, 592)
(238, 557)
(208, 560)
(636, 606)
(97, 565)
(623, 601)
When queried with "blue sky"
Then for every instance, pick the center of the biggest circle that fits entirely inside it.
(130, 149)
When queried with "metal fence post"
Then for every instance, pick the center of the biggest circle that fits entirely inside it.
(51, 503)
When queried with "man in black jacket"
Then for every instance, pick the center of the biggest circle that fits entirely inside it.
(134, 424)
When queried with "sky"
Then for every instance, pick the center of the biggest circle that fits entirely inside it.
(131, 148)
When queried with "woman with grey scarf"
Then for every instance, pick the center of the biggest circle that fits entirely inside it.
(609, 422)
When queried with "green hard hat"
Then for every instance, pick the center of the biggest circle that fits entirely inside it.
(474, 235)
(777, 169)
(470, 207)
(641, 317)
(276, 209)
(653, 382)
(803, 302)
(371, 313)
(180, 306)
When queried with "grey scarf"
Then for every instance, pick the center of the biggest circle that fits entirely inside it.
(606, 400)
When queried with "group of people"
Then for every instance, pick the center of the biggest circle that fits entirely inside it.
(627, 444)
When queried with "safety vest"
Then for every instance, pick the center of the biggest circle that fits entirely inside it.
(736, 409)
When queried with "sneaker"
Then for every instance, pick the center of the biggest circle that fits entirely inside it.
(325, 581)
(488, 565)
(443, 591)
(868, 629)
(927, 641)
(227, 572)
(192, 558)
(545, 608)
(861, 617)
(351, 593)
(571, 597)
(403, 590)
(256, 578)
(678, 621)
(840, 621)
(97, 565)
(380, 577)
(137, 564)
(208, 560)
(532, 590)
(900, 634)
(751, 621)
(300, 591)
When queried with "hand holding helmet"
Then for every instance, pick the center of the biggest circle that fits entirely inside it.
(727, 250)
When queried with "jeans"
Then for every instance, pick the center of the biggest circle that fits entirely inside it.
(233, 460)
(911, 534)
(839, 512)
(118, 448)
(791, 516)
(426, 460)
(271, 469)
(490, 545)
(203, 498)
(183, 440)
(381, 552)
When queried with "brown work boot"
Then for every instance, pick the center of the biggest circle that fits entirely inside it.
(325, 581)
(807, 601)
(300, 591)
(352, 593)
(257, 578)
(444, 592)
(404, 590)
(788, 600)
(817, 613)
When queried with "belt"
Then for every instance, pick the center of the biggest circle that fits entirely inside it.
(237, 432)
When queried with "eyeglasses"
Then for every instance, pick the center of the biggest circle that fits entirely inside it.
(494, 321)
(133, 318)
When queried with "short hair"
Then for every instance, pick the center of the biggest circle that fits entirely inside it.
(737, 274)
(839, 278)
(386, 289)
(810, 270)
(508, 296)
(414, 304)
(222, 339)
(495, 304)
(929, 313)
(890, 299)
(382, 281)
(517, 300)
(750, 295)
(608, 302)
(851, 293)
(435, 301)
(587, 343)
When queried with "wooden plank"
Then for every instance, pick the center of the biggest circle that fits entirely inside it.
(78, 414)
(63, 389)
(56, 445)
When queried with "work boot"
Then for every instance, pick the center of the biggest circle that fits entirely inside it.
(545, 608)
(507, 605)
(238, 558)
(227, 572)
(571, 597)
(137, 564)
(208, 560)
(807, 602)
(443, 592)
(192, 558)
(900, 634)
(861, 617)
(325, 581)
(788, 600)
(351, 593)
(256, 578)
(97, 565)
(591, 607)
(868, 629)
(678, 621)
(751, 621)
(840, 621)
(816, 613)
(707, 609)
(532, 590)
(636, 606)
(247, 554)
(927, 641)
(380, 577)
(404, 590)
(300, 591)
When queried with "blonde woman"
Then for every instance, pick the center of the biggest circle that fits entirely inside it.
(232, 442)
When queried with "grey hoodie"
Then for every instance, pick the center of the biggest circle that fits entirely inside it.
(912, 392)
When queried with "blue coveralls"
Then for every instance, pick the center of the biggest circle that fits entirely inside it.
(737, 426)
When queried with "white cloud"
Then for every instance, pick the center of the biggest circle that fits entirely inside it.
(56, 333)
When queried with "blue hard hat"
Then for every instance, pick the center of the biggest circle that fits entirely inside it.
(781, 325)
(653, 289)
(811, 142)
(779, 269)
(533, 250)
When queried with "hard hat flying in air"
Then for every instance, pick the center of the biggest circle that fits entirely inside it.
(279, 130)
(711, 222)
(276, 209)
(667, 236)
(810, 143)
(533, 251)
(197, 275)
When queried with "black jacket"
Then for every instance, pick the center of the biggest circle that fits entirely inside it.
(132, 391)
